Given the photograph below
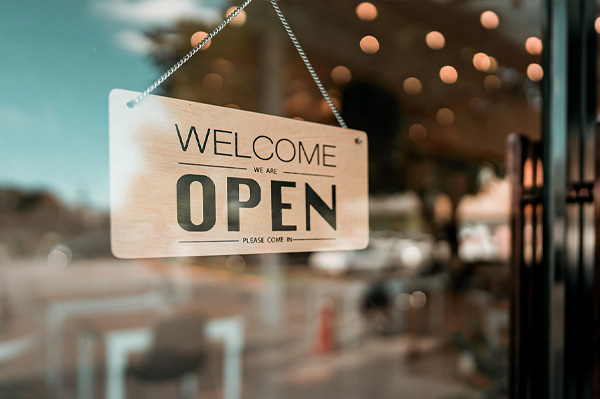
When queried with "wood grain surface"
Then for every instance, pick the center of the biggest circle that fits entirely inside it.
(190, 179)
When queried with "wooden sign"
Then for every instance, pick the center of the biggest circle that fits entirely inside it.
(190, 179)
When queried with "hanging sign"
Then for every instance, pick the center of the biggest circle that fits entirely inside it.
(190, 179)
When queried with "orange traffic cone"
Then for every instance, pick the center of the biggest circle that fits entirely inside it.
(324, 333)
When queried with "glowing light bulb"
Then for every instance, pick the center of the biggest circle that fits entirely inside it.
(212, 81)
(489, 20)
(533, 45)
(445, 116)
(197, 38)
(493, 65)
(481, 62)
(341, 75)
(535, 72)
(417, 132)
(412, 86)
(435, 40)
(366, 11)
(492, 83)
(448, 74)
(239, 19)
(369, 44)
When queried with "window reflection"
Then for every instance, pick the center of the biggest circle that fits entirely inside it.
(422, 312)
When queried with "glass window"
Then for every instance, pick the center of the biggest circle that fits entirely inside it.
(422, 312)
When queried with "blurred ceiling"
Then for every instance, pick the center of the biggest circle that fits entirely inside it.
(483, 113)
(464, 119)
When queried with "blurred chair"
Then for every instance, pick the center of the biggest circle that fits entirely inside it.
(18, 337)
(17, 341)
(178, 352)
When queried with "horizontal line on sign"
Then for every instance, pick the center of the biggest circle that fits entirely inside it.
(307, 174)
(200, 241)
(312, 239)
(211, 166)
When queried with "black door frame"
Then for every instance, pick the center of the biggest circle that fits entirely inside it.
(555, 298)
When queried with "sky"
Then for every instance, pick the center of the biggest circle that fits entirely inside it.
(59, 61)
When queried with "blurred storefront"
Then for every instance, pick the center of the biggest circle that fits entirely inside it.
(432, 308)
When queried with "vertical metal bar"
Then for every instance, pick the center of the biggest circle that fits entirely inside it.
(590, 155)
(549, 381)
(588, 262)
(533, 151)
(579, 272)
(569, 236)
(596, 346)
(518, 315)
(572, 316)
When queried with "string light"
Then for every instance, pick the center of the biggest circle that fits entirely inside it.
(445, 116)
(489, 20)
(492, 83)
(417, 132)
(197, 38)
(369, 44)
(493, 65)
(481, 62)
(341, 75)
(412, 86)
(535, 72)
(366, 11)
(448, 74)
(239, 19)
(435, 40)
(533, 45)
(212, 81)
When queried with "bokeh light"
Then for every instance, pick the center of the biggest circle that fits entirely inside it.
(597, 25)
(197, 38)
(411, 257)
(417, 299)
(369, 44)
(402, 301)
(417, 132)
(489, 20)
(493, 65)
(341, 75)
(366, 11)
(298, 102)
(492, 83)
(533, 45)
(448, 74)
(481, 62)
(239, 19)
(412, 86)
(535, 72)
(222, 66)
(212, 81)
(235, 264)
(435, 40)
(59, 258)
(445, 116)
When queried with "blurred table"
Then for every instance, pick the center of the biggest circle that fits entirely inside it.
(18, 339)
(60, 309)
(123, 336)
